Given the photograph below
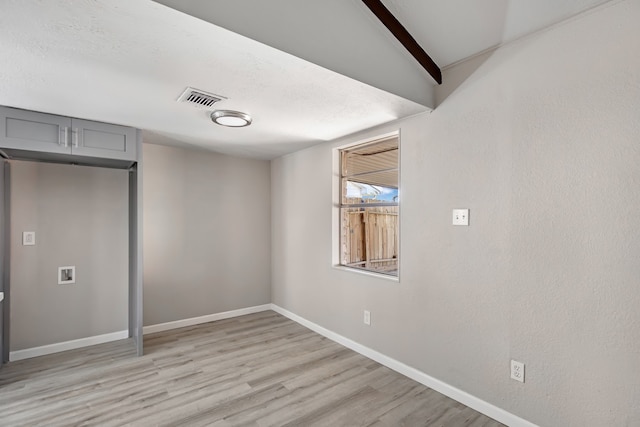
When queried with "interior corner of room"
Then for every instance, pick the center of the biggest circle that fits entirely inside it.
(130, 212)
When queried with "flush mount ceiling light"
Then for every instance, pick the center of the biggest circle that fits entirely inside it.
(234, 119)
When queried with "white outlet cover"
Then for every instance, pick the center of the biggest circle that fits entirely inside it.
(28, 238)
(367, 318)
(517, 371)
(66, 275)
(460, 217)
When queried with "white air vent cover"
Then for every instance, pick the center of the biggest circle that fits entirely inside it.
(199, 98)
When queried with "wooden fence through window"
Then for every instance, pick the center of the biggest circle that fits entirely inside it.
(370, 238)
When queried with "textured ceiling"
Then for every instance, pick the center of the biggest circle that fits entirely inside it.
(127, 62)
(320, 70)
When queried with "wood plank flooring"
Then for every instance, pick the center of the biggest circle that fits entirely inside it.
(257, 370)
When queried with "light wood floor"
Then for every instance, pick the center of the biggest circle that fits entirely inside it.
(256, 370)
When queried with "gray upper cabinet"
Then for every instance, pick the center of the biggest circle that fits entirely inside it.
(28, 130)
(95, 139)
(31, 131)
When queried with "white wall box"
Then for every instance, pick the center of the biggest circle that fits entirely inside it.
(66, 275)
(29, 134)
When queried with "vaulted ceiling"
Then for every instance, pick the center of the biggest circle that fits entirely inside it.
(307, 71)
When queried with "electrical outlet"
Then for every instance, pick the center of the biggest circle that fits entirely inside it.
(460, 217)
(367, 317)
(517, 371)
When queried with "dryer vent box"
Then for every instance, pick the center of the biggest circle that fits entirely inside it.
(66, 275)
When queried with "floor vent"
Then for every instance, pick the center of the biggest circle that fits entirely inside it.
(200, 98)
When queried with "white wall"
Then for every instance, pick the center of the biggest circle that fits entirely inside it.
(351, 45)
(207, 233)
(80, 216)
(541, 140)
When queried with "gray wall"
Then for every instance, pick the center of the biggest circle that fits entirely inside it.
(80, 217)
(541, 141)
(207, 228)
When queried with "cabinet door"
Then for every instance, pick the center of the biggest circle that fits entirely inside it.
(28, 130)
(95, 139)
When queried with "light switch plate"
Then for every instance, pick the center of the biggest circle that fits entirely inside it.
(28, 238)
(460, 217)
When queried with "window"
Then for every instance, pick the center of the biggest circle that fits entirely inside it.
(369, 225)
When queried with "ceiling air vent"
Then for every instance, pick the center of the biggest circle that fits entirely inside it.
(199, 98)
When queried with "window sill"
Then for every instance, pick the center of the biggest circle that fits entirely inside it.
(368, 273)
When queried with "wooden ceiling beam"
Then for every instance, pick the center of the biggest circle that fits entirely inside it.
(404, 37)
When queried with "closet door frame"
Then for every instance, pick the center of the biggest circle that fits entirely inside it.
(135, 320)
(5, 227)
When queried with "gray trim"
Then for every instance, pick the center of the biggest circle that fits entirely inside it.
(5, 254)
(69, 159)
(135, 250)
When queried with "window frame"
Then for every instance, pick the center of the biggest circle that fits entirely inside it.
(338, 205)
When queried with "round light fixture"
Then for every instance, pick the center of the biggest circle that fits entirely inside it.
(234, 119)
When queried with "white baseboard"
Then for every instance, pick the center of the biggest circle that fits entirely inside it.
(99, 339)
(66, 345)
(448, 390)
(160, 327)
